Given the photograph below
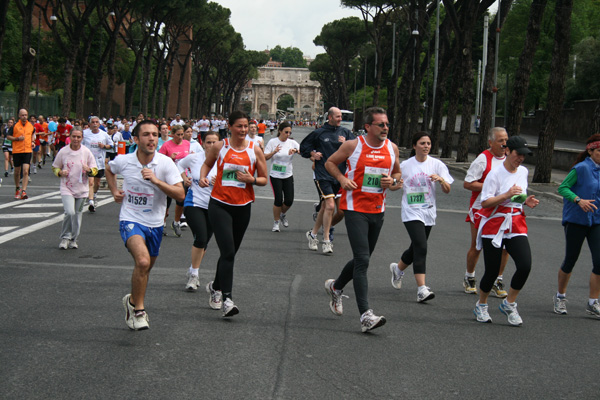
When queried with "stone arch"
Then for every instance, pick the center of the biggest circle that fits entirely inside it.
(272, 83)
(264, 110)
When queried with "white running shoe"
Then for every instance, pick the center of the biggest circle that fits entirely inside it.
(313, 242)
(335, 304)
(481, 312)
(64, 244)
(560, 305)
(192, 283)
(216, 296)
(284, 220)
(136, 320)
(73, 244)
(593, 309)
(511, 312)
(327, 247)
(183, 224)
(425, 294)
(370, 321)
(397, 276)
(275, 226)
(229, 309)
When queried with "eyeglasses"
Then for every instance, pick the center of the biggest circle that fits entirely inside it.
(382, 125)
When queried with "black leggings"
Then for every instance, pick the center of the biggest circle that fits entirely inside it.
(575, 234)
(417, 252)
(519, 251)
(229, 224)
(283, 190)
(363, 232)
(197, 220)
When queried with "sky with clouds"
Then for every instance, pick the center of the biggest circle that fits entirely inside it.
(268, 23)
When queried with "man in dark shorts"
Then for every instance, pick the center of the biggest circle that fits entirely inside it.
(319, 145)
(22, 136)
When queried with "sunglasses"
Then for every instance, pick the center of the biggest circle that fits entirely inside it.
(382, 125)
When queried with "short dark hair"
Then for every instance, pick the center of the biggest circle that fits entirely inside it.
(237, 114)
(282, 126)
(137, 128)
(62, 120)
(370, 112)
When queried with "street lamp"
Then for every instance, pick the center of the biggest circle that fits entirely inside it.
(37, 86)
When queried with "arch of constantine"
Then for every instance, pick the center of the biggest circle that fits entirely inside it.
(274, 82)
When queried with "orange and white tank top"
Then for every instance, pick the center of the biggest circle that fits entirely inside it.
(227, 188)
(366, 166)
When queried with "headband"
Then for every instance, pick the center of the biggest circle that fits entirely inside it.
(593, 145)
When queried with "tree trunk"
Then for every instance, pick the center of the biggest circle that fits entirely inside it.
(146, 86)
(3, 12)
(182, 71)
(82, 81)
(68, 82)
(170, 66)
(27, 59)
(446, 65)
(452, 110)
(556, 91)
(521, 81)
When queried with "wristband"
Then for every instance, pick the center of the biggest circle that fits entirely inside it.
(254, 181)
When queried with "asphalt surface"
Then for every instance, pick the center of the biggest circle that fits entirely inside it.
(63, 334)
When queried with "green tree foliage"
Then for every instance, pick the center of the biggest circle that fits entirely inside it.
(291, 57)
(11, 51)
(586, 84)
(343, 39)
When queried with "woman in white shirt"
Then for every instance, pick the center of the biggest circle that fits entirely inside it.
(420, 173)
(280, 151)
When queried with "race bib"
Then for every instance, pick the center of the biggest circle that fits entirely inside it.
(417, 196)
(372, 179)
(230, 177)
(279, 168)
(137, 198)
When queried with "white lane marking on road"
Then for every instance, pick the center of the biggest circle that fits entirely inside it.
(34, 198)
(7, 228)
(40, 225)
(28, 215)
(39, 205)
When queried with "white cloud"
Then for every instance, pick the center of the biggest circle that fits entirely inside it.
(268, 23)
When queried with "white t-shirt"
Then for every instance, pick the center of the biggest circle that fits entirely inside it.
(281, 162)
(92, 140)
(76, 183)
(195, 147)
(203, 125)
(215, 125)
(144, 202)
(476, 170)
(418, 193)
(175, 122)
(256, 139)
(197, 196)
(222, 124)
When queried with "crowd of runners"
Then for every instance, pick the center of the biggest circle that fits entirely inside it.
(210, 167)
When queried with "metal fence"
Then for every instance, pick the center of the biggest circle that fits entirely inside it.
(42, 104)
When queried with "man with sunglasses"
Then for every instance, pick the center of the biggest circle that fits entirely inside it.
(373, 168)
(319, 145)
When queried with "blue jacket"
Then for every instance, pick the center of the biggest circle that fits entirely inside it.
(588, 188)
(326, 141)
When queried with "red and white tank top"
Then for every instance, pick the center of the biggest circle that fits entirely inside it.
(227, 188)
(365, 167)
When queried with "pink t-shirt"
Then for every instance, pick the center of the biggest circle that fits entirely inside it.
(76, 184)
(182, 149)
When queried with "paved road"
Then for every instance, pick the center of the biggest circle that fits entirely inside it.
(63, 335)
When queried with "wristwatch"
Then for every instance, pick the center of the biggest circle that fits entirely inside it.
(395, 182)
(577, 200)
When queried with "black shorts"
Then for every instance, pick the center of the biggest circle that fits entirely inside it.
(21, 158)
(60, 145)
(100, 173)
(43, 142)
(111, 156)
(328, 189)
(7, 150)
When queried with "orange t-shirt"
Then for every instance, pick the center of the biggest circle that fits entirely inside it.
(22, 146)
(262, 128)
